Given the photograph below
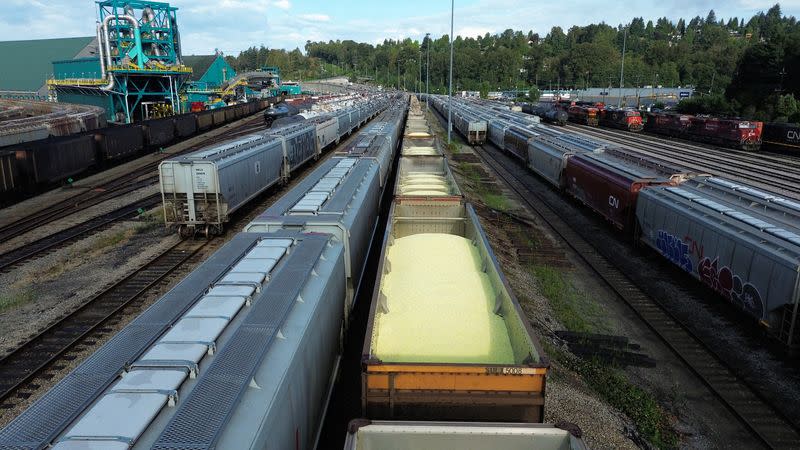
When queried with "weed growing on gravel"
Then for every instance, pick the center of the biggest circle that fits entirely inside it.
(109, 240)
(649, 417)
(570, 306)
(495, 201)
(13, 299)
(151, 220)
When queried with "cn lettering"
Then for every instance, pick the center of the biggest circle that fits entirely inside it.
(613, 202)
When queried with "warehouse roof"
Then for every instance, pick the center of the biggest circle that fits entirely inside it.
(199, 64)
(32, 60)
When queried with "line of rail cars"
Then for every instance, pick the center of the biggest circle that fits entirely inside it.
(548, 112)
(45, 162)
(243, 352)
(446, 338)
(584, 114)
(200, 190)
(742, 242)
(623, 118)
(734, 133)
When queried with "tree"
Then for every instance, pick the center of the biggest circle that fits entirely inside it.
(534, 94)
(711, 18)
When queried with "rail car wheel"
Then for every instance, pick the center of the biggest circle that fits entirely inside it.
(207, 232)
(184, 232)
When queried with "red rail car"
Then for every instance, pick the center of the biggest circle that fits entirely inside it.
(584, 115)
(626, 119)
(610, 185)
(734, 133)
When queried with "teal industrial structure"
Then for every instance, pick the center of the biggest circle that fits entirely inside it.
(137, 73)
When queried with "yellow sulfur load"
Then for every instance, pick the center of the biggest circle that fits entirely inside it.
(440, 305)
(420, 151)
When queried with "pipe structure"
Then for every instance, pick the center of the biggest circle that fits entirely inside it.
(138, 53)
(100, 51)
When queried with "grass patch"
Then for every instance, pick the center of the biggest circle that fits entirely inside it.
(569, 305)
(650, 419)
(495, 201)
(11, 300)
(109, 240)
(453, 148)
(150, 220)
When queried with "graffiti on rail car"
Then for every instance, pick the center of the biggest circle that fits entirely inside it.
(675, 250)
(731, 286)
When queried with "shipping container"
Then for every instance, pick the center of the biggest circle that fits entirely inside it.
(341, 198)
(159, 132)
(609, 185)
(740, 242)
(238, 318)
(119, 142)
(185, 125)
(458, 349)
(55, 159)
(200, 190)
(397, 435)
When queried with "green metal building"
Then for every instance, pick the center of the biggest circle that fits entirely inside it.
(29, 64)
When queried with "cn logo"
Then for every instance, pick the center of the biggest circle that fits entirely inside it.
(613, 202)
(792, 135)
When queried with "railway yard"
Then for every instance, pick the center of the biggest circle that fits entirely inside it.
(251, 286)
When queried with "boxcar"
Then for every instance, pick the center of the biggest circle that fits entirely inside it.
(740, 242)
(185, 125)
(609, 185)
(119, 141)
(55, 159)
(159, 132)
(200, 190)
(405, 435)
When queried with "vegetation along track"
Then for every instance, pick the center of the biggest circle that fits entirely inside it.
(766, 171)
(36, 355)
(56, 240)
(117, 187)
(759, 417)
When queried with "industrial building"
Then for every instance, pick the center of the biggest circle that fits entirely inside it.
(33, 64)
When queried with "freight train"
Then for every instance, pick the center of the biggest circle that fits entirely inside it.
(781, 136)
(200, 190)
(623, 118)
(548, 112)
(420, 361)
(733, 133)
(741, 242)
(243, 352)
(30, 166)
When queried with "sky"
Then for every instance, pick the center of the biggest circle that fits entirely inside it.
(234, 25)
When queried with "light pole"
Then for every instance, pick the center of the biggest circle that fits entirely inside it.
(419, 79)
(622, 66)
(450, 84)
(428, 72)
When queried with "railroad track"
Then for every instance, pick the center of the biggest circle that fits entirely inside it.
(773, 175)
(117, 187)
(765, 422)
(57, 240)
(36, 355)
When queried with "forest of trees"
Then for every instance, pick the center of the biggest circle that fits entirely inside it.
(739, 66)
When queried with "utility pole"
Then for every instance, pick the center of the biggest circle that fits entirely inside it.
(622, 66)
(450, 84)
(428, 73)
(419, 80)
